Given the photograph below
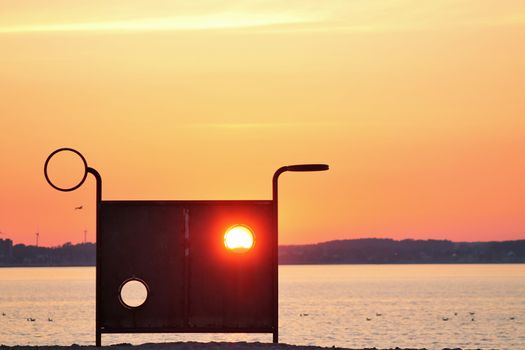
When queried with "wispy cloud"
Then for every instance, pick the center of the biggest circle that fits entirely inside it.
(211, 21)
(341, 16)
(269, 125)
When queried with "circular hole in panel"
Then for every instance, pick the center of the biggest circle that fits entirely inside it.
(239, 238)
(133, 293)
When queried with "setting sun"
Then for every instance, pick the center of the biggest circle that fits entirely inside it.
(239, 238)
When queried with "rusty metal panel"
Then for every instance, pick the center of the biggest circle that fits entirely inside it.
(228, 289)
(177, 249)
(142, 240)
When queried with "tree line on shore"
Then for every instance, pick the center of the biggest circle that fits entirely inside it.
(408, 251)
(354, 251)
(28, 255)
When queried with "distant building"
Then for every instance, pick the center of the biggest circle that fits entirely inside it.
(6, 249)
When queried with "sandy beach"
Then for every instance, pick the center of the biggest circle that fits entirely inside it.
(201, 346)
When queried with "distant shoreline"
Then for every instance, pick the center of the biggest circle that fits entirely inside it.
(341, 252)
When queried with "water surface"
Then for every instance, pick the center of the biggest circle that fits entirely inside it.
(432, 306)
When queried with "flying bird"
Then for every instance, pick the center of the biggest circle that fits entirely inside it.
(79, 208)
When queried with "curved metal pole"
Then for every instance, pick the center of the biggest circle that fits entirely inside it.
(275, 257)
(298, 168)
(98, 334)
(275, 195)
(98, 211)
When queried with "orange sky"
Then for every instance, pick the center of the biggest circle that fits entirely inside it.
(419, 108)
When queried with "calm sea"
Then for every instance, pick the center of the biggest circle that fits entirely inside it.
(432, 306)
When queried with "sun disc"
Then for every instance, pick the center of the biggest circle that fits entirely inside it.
(239, 238)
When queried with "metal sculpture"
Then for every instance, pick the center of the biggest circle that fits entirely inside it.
(205, 265)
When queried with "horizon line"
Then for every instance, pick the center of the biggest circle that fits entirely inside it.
(303, 244)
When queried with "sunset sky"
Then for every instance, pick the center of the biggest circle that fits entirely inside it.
(418, 107)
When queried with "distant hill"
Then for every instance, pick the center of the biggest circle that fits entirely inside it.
(355, 251)
(409, 251)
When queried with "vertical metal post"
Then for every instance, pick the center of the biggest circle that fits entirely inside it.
(98, 335)
(275, 195)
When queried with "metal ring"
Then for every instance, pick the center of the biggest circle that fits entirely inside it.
(81, 181)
